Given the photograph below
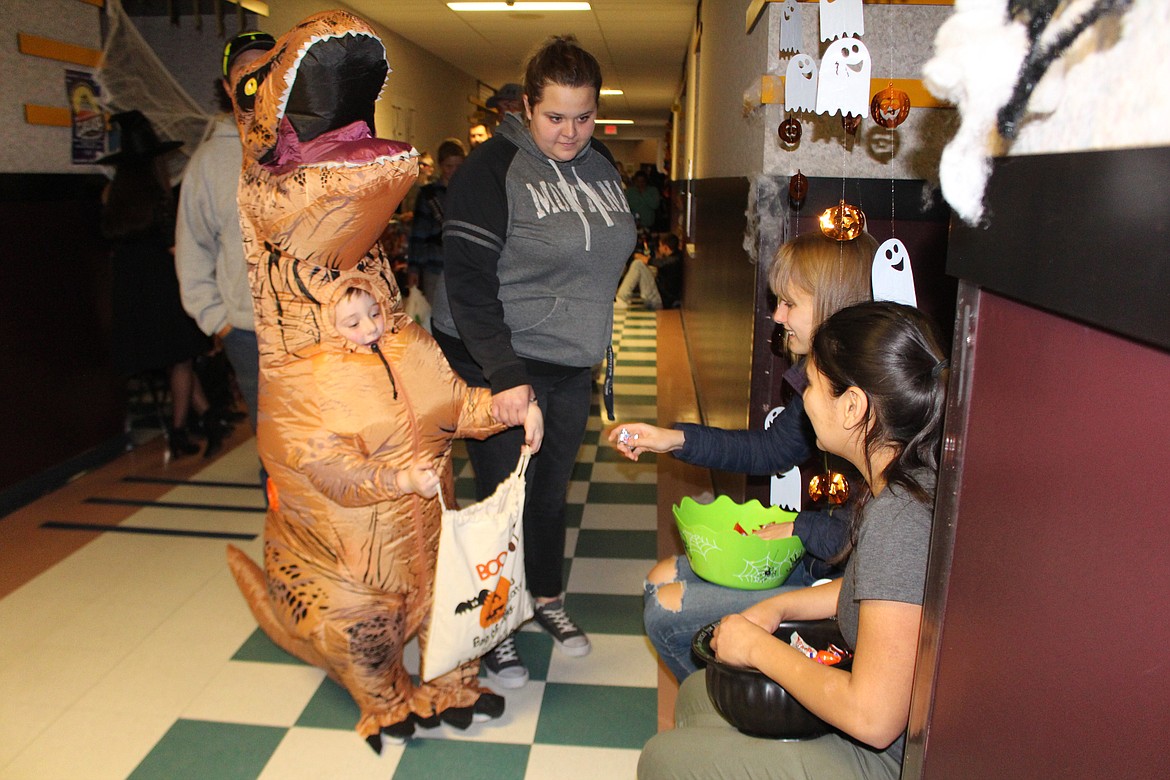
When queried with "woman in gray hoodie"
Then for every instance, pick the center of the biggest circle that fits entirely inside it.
(536, 237)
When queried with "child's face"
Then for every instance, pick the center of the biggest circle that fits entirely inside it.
(359, 319)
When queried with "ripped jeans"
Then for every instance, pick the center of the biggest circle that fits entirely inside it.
(703, 602)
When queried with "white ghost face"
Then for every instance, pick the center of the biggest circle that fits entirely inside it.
(791, 27)
(893, 277)
(800, 84)
(841, 17)
(843, 83)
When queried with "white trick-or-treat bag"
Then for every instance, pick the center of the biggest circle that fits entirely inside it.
(481, 596)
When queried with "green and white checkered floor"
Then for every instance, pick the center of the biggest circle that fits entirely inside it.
(136, 656)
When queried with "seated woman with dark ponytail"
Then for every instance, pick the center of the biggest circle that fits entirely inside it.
(876, 396)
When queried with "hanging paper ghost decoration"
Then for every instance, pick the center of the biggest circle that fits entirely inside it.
(890, 107)
(800, 84)
(841, 17)
(892, 277)
(791, 27)
(785, 488)
(843, 83)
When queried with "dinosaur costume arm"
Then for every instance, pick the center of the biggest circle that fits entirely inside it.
(336, 466)
(475, 414)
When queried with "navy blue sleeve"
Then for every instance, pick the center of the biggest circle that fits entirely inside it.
(789, 442)
(473, 237)
(824, 533)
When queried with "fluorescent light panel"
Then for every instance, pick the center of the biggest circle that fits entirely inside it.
(605, 91)
(519, 5)
(615, 121)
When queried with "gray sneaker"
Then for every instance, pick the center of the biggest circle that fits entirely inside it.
(569, 637)
(504, 667)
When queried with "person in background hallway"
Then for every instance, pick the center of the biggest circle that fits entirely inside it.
(477, 134)
(425, 256)
(151, 330)
(209, 251)
(656, 279)
(644, 198)
(509, 99)
(527, 308)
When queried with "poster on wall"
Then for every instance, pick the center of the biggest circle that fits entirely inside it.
(87, 120)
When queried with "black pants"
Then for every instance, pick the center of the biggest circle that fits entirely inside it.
(564, 395)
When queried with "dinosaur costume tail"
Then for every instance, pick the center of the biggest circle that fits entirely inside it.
(250, 580)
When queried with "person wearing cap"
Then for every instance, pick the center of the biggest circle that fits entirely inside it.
(509, 99)
(209, 251)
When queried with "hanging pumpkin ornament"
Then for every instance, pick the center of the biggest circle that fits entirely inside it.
(797, 189)
(890, 107)
(831, 485)
(851, 122)
(842, 222)
(789, 132)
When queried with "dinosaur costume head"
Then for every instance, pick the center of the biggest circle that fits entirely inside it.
(317, 187)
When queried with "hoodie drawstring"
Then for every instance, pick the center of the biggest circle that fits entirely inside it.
(389, 373)
(571, 196)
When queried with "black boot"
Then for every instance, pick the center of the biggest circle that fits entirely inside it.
(214, 430)
(180, 443)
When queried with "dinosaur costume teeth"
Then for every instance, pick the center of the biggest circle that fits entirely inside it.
(348, 560)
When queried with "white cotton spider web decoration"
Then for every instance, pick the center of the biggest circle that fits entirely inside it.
(132, 76)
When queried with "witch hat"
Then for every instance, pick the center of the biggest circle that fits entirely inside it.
(138, 139)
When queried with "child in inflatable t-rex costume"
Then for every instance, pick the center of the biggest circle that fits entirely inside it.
(348, 558)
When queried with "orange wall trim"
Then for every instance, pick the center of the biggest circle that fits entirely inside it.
(772, 91)
(756, 7)
(36, 46)
(52, 116)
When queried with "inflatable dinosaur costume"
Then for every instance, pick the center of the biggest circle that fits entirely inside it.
(348, 560)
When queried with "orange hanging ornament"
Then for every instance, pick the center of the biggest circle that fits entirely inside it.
(890, 107)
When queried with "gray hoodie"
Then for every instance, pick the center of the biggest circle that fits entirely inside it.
(534, 252)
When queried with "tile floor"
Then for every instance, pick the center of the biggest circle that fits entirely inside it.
(134, 656)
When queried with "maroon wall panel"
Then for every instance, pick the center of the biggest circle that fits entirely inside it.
(59, 393)
(1053, 652)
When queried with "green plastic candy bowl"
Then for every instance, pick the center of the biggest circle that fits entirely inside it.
(720, 554)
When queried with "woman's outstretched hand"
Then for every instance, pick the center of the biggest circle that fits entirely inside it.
(632, 439)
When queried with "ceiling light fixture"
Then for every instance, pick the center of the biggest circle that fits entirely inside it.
(615, 121)
(520, 5)
(605, 91)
